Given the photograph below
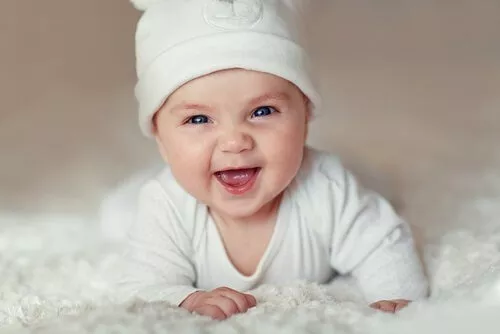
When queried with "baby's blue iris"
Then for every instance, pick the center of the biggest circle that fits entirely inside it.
(263, 111)
(198, 119)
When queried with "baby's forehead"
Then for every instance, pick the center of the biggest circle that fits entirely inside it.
(245, 75)
(237, 85)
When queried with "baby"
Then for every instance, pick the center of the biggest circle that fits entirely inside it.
(223, 88)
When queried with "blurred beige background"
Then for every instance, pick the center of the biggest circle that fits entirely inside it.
(412, 97)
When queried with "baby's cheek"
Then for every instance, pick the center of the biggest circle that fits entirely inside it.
(191, 175)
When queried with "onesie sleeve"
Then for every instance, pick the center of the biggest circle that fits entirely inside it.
(156, 264)
(373, 244)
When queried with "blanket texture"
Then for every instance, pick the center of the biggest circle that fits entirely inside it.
(53, 273)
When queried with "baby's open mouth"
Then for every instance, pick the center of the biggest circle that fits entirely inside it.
(238, 181)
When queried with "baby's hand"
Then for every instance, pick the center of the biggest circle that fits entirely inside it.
(219, 304)
(391, 306)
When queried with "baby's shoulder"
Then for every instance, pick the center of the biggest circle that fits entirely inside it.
(318, 191)
(319, 184)
(320, 169)
(168, 196)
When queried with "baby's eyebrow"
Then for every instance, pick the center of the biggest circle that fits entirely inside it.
(190, 106)
(269, 96)
(253, 102)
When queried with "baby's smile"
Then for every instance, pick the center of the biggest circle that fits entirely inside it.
(238, 181)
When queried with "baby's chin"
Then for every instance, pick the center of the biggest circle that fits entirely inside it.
(246, 208)
(238, 211)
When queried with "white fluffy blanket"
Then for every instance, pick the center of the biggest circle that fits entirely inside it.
(52, 280)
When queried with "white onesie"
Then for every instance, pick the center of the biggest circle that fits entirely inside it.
(326, 224)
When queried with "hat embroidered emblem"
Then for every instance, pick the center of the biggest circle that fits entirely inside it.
(233, 14)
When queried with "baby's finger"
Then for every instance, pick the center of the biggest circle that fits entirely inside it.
(384, 305)
(227, 305)
(239, 298)
(401, 305)
(252, 302)
(212, 311)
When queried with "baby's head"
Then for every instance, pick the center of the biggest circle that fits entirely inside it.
(224, 89)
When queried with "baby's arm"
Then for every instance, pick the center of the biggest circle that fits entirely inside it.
(157, 264)
(372, 243)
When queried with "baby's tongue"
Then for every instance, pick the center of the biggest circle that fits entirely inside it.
(237, 177)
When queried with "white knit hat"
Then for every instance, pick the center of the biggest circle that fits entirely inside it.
(180, 40)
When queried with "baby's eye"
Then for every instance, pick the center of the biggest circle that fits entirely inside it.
(263, 111)
(198, 119)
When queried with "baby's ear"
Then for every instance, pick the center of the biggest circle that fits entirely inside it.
(308, 105)
(161, 147)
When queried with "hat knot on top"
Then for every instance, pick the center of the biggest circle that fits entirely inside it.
(233, 14)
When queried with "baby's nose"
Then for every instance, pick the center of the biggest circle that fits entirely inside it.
(236, 142)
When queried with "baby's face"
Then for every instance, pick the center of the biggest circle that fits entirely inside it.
(234, 139)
